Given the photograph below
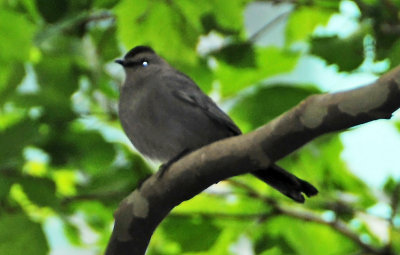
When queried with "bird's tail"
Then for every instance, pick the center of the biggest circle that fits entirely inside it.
(286, 183)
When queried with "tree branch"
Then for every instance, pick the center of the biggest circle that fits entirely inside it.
(140, 213)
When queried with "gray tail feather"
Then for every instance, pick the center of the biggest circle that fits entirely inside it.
(286, 183)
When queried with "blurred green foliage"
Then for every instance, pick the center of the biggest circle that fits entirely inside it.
(63, 154)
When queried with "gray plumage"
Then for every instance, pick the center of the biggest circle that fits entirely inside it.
(164, 113)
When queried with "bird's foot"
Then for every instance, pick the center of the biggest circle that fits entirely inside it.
(164, 167)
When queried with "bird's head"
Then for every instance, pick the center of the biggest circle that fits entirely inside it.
(141, 60)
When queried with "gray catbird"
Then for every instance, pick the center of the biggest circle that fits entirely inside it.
(165, 114)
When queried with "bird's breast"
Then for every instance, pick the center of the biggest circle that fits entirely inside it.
(161, 126)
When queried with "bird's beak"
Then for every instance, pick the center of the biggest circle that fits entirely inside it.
(120, 61)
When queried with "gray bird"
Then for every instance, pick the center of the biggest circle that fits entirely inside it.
(165, 115)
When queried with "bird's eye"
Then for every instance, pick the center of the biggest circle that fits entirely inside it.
(145, 63)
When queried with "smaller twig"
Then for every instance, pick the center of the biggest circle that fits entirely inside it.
(390, 29)
(256, 36)
(97, 196)
(337, 224)
(100, 16)
(252, 192)
(66, 24)
(244, 216)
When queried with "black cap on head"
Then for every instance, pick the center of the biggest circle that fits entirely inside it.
(137, 50)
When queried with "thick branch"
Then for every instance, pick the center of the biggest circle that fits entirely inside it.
(141, 212)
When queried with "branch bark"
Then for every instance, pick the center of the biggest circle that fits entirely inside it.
(140, 213)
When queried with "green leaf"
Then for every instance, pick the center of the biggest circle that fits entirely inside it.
(106, 43)
(11, 76)
(5, 185)
(327, 4)
(157, 24)
(270, 244)
(96, 215)
(31, 9)
(117, 181)
(224, 16)
(91, 152)
(395, 235)
(347, 53)
(394, 55)
(189, 233)
(196, 13)
(72, 233)
(266, 103)
(204, 203)
(110, 90)
(392, 190)
(57, 76)
(52, 11)
(40, 191)
(229, 13)
(14, 138)
(105, 4)
(238, 54)
(371, 2)
(231, 232)
(390, 186)
(273, 251)
(19, 33)
(293, 236)
(200, 73)
(268, 61)
(303, 22)
(19, 235)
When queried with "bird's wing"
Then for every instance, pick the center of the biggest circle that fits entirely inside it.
(186, 90)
